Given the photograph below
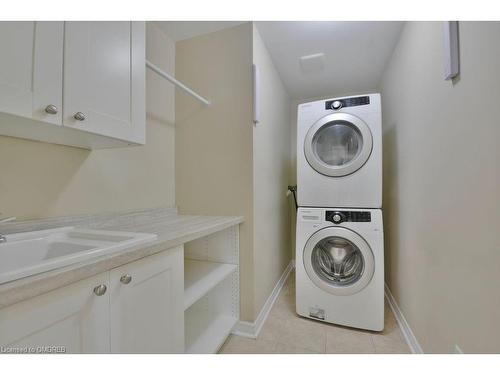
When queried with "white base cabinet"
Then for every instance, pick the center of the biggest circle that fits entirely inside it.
(174, 301)
(139, 313)
(72, 317)
(146, 316)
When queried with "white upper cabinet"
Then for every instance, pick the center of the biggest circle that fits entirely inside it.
(31, 70)
(97, 69)
(104, 70)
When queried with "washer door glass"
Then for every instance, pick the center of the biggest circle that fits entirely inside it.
(338, 144)
(337, 261)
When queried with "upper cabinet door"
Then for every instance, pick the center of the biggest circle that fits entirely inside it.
(31, 69)
(104, 78)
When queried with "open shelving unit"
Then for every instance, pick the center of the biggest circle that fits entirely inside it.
(210, 320)
(201, 276)
(211, 290)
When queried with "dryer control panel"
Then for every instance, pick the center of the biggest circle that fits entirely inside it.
(338, 217)
(336, 104)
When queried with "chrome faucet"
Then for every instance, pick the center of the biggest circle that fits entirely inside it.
(6, 220)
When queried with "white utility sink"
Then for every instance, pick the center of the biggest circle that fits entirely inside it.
(29, 253)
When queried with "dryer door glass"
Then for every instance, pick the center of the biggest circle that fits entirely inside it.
(337, 143)
(337, 261)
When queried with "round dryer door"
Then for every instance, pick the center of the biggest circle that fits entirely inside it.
(338, 144)
(339, 261)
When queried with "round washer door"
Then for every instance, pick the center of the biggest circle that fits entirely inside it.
(339, 261)
(338, 144)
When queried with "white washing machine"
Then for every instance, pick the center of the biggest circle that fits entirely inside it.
(340, 266)
(339, 152)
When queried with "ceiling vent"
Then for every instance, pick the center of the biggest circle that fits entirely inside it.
(312, 63)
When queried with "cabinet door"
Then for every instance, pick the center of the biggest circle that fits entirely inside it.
(147, 313)
(72, 317)
(31, 69)
(104, 78)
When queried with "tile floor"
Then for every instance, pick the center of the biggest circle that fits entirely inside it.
(284, 332)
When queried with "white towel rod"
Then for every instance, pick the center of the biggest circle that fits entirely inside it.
(168, 77)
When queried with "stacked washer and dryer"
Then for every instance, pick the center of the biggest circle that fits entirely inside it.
(340, 250)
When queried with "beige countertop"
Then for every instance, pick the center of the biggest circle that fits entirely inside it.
(171, 228)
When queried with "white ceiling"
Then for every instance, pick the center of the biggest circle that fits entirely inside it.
(356, 54)
(180, 30)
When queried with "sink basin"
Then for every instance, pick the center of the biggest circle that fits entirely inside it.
(29, 253)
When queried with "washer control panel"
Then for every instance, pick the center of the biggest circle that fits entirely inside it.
(336, 104)
(338, 217)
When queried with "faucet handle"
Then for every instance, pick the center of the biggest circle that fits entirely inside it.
(7, 219)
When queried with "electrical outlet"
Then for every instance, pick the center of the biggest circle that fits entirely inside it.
(457, 350)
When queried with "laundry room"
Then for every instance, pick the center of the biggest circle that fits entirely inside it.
(249, 186)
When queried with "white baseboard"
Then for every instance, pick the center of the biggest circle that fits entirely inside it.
(410, 338)
(252, 329)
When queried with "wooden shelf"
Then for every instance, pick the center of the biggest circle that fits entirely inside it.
(202, 276)
(212, 337)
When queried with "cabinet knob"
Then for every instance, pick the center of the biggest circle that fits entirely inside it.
(125, 279)
(99, 290)
(79, 116)
(51, 109)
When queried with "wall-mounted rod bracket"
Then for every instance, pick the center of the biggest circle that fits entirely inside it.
(177, 83)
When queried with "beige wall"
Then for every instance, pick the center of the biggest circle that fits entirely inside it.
(214, 144)
(227, 166)
(39, 179)
(271, 174)
(293, 170)
(441, 186)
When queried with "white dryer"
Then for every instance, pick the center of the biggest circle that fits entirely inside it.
(339, 152)
(340, 266)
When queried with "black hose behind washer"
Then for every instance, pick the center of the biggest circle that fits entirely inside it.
(293, 189)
